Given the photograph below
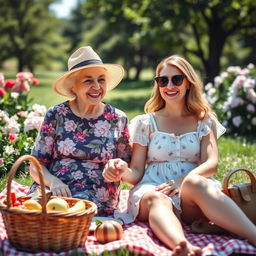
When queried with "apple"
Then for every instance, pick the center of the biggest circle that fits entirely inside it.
(57, 204)
(32, 204)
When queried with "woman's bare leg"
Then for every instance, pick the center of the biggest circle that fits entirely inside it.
(157, 209)
(197, 193)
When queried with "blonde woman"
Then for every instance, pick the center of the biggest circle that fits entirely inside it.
(174, 158)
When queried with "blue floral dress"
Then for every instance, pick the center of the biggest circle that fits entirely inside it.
(76, 149)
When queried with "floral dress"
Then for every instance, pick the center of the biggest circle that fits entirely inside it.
(169, 157)
(76, 149)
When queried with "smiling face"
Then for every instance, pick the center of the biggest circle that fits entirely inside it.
(90, 85)
(171, 92)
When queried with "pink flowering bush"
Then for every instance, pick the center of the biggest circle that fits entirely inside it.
(19, 119)
(233, 96)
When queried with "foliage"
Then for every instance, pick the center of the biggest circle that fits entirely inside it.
(233, 97)
(144, 30)
(29, 32)
(19, 119)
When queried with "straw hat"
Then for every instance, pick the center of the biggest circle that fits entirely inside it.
(86, 57)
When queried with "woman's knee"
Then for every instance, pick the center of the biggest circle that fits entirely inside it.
(195, 183)
(149, 201)
(155, 197)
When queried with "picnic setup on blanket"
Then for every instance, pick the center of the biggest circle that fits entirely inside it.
(73, 232)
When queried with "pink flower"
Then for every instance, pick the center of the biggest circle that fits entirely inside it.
(237, 121)
(1, 161)
(22, 113)
(9, 84)
(22, 76)
(102, 194)
(66, 147)
(109, 116)
(1, 78)
(102, 129)
(79, 136)
(12, 137)
(2, 92)
(34, 81)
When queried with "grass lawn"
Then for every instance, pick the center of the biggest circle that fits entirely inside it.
(234, 151)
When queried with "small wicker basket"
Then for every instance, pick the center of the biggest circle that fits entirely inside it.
(42, 231)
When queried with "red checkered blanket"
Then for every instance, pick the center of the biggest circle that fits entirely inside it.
(137, 238)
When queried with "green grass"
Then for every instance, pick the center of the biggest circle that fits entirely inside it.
(234, 152)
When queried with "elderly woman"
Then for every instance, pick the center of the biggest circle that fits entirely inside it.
(80, 135)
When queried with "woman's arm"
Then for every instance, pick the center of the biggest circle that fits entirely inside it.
(117, 169)
(57, 187)
(209, 155)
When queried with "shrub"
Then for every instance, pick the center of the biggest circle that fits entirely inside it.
(232, 95)
(19, 119)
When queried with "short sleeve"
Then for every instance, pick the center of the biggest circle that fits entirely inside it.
(139, 128)
(207, 125)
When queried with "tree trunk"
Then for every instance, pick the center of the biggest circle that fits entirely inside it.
(21, 64)
(139, 65)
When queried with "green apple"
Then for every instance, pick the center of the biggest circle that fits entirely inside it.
(57, 204)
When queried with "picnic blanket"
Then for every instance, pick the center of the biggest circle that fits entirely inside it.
(138, 238)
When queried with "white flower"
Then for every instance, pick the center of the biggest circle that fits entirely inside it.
(217, 81)
(208, 86)
(250, 108)
(78, 175)
(33, 122)
(14, 95)
(245, 71)
(233, 69)
(251, 95)
(102, 194)
(70, 126)
(11, 126)
(236, 102)
(102, 129)
(224, 75)
(237, 121)
(66, 147)
(254, 121)
(39, 109)
(211, 91)
(9, 150)
(238, 82)
(249, 83)
(250, 66)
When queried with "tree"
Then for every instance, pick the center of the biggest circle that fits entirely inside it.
(31, 32)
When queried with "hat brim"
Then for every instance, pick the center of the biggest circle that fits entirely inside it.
(64, 83)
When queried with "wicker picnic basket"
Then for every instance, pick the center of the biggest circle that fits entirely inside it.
(42, 231)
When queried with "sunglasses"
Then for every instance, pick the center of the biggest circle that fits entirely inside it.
(163, 81)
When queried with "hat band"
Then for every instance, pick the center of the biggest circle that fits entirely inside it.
(87, 62)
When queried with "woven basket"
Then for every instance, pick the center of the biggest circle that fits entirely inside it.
(42, 231)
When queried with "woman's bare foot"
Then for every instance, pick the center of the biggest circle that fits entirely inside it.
(186, 249)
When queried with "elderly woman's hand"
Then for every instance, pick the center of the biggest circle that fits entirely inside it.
(114, 170)
(58, 188)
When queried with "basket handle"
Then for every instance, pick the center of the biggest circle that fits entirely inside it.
(229, 174)
(12, 172)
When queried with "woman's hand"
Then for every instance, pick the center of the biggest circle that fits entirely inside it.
(114, 170)
(171, 187)
(58, 188)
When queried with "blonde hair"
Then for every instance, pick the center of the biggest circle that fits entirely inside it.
(195, 101)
